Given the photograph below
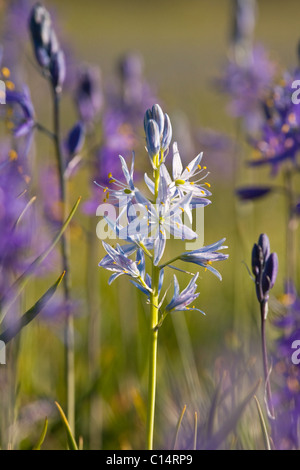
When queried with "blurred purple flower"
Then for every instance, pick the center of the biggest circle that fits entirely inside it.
(15, 237)
(23, 117)
(249, 193)
(279, 138)
(247, 84)
(286, 375)
(88, 93)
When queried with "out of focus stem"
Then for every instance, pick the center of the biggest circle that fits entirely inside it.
(269, 401)
(65, 252)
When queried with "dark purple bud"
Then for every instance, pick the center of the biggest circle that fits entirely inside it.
(53, 47)
(58, 70)
(270, 273)
(40, 25)
(147, 117)
(88, 93)
(256, 259)
(40, 29)
(252, 192)
(152, 138)
(297, 209)
(167, 133)
(75, 139)
(264, 242)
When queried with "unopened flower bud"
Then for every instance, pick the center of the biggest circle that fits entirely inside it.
(58, 70)
(167, 133)
(152, 138)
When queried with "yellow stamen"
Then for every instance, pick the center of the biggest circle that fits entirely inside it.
(205, 168)
(208, 185)
(27, 179)
(9, 125)
(5, 72)
(12, 155)
(109, 175)
(182, 209)
(292, 118)
(10, 85)
(285, 128)
(112, 181)
(199, 166)
(188, 169)
(105, 189)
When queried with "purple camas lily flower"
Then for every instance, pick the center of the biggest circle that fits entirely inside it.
(146, 233)
(279, 135)
(181, 300)
(247, 84)
(205, 256)
(286, 371)
(22, 121)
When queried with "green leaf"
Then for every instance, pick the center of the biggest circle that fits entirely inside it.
(231, 422)
(263, 425)
(21, 282)
(17, 326)
(71, 441)
(42, 436)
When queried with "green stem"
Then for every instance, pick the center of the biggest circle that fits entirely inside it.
(152, 358)
(153, 341)
(65, 251)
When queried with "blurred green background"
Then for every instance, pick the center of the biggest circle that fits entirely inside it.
(184, 46)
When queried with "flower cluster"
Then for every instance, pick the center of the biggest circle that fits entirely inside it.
(150, 221)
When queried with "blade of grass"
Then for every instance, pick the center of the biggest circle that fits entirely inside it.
(71, 441)
(213, 409)
(263, 425)
(21, 282)
(42, 436)
(195, 431)
(231, 423)
(17, 326)
(178, 426)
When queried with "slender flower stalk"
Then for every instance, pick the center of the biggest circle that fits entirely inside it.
(51, 60)
(65, 250)
(264, 268)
